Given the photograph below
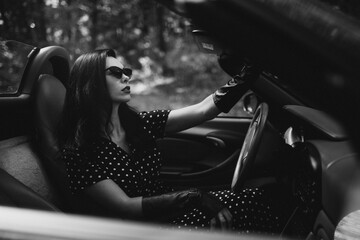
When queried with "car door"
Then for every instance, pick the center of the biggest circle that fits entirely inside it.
(204, 155)
(14, 104)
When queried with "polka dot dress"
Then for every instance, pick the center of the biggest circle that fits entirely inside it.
(252, 212)
(137, 174)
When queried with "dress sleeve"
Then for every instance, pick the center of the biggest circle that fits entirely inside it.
(155, 122)
(83, 171)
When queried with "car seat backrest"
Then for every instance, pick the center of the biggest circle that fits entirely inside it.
(49, 101)
(53, 60)
(48, 92)
(16, 194)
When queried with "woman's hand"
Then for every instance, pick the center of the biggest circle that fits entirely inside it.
(169, 205)
(223, 220)
(214, 207)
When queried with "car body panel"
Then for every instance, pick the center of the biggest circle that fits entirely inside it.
(30, 224)
(16, 120)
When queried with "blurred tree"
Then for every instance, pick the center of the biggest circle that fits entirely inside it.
(23, 21)
(94, 13)
(150, 38)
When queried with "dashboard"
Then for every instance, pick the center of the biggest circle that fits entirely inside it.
(325, 169)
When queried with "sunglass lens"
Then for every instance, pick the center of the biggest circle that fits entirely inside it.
(117, 72)
(127, 71)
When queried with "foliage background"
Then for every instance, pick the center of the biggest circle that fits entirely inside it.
(169, 70)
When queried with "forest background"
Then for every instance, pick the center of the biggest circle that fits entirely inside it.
(169, 70)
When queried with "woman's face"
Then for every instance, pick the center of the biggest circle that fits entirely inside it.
(117, 80)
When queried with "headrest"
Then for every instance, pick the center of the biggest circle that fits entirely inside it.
(53, 60)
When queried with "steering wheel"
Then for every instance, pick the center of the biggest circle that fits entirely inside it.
(250, 146)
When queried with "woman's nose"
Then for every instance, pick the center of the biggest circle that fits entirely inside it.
(126, 79)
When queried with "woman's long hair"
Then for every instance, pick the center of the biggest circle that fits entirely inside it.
(88, 106)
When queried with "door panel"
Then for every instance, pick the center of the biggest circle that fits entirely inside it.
(15, 119)
(205, 154)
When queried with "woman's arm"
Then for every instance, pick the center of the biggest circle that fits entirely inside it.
(109, 195)
(222, 100)
(190, 116)
(160, 207)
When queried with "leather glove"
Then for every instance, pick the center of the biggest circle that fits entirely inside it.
(229, 94)
(210, 204)
(169, 205)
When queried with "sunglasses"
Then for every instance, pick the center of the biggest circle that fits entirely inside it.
(118, 72)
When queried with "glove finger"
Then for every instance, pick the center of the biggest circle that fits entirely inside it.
(187, 198)
(223, 222)
(228, 217)
(194, 195)
(213, 224)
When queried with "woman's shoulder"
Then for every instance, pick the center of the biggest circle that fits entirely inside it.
(72, 155)
(155, 122)
(81, 152)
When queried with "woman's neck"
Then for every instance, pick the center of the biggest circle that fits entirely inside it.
(115, 121)
(117, 133)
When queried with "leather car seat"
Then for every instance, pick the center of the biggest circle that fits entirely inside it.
(49, 101)
(48, 74)
(15, 193)
(49, 91)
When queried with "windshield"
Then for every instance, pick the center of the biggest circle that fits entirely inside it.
(13, 59)
(351, 8)
(334, 31)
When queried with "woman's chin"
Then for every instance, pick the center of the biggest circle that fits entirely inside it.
(122, 99)
(126, 99)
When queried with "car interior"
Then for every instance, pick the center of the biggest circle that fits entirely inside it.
(305, 150)
(204, 156)
(41, 94)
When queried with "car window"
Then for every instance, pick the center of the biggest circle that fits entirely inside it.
(13, 59)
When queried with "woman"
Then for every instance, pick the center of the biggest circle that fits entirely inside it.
(112, 159)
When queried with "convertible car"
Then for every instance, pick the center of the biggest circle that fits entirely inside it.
(302, 133)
